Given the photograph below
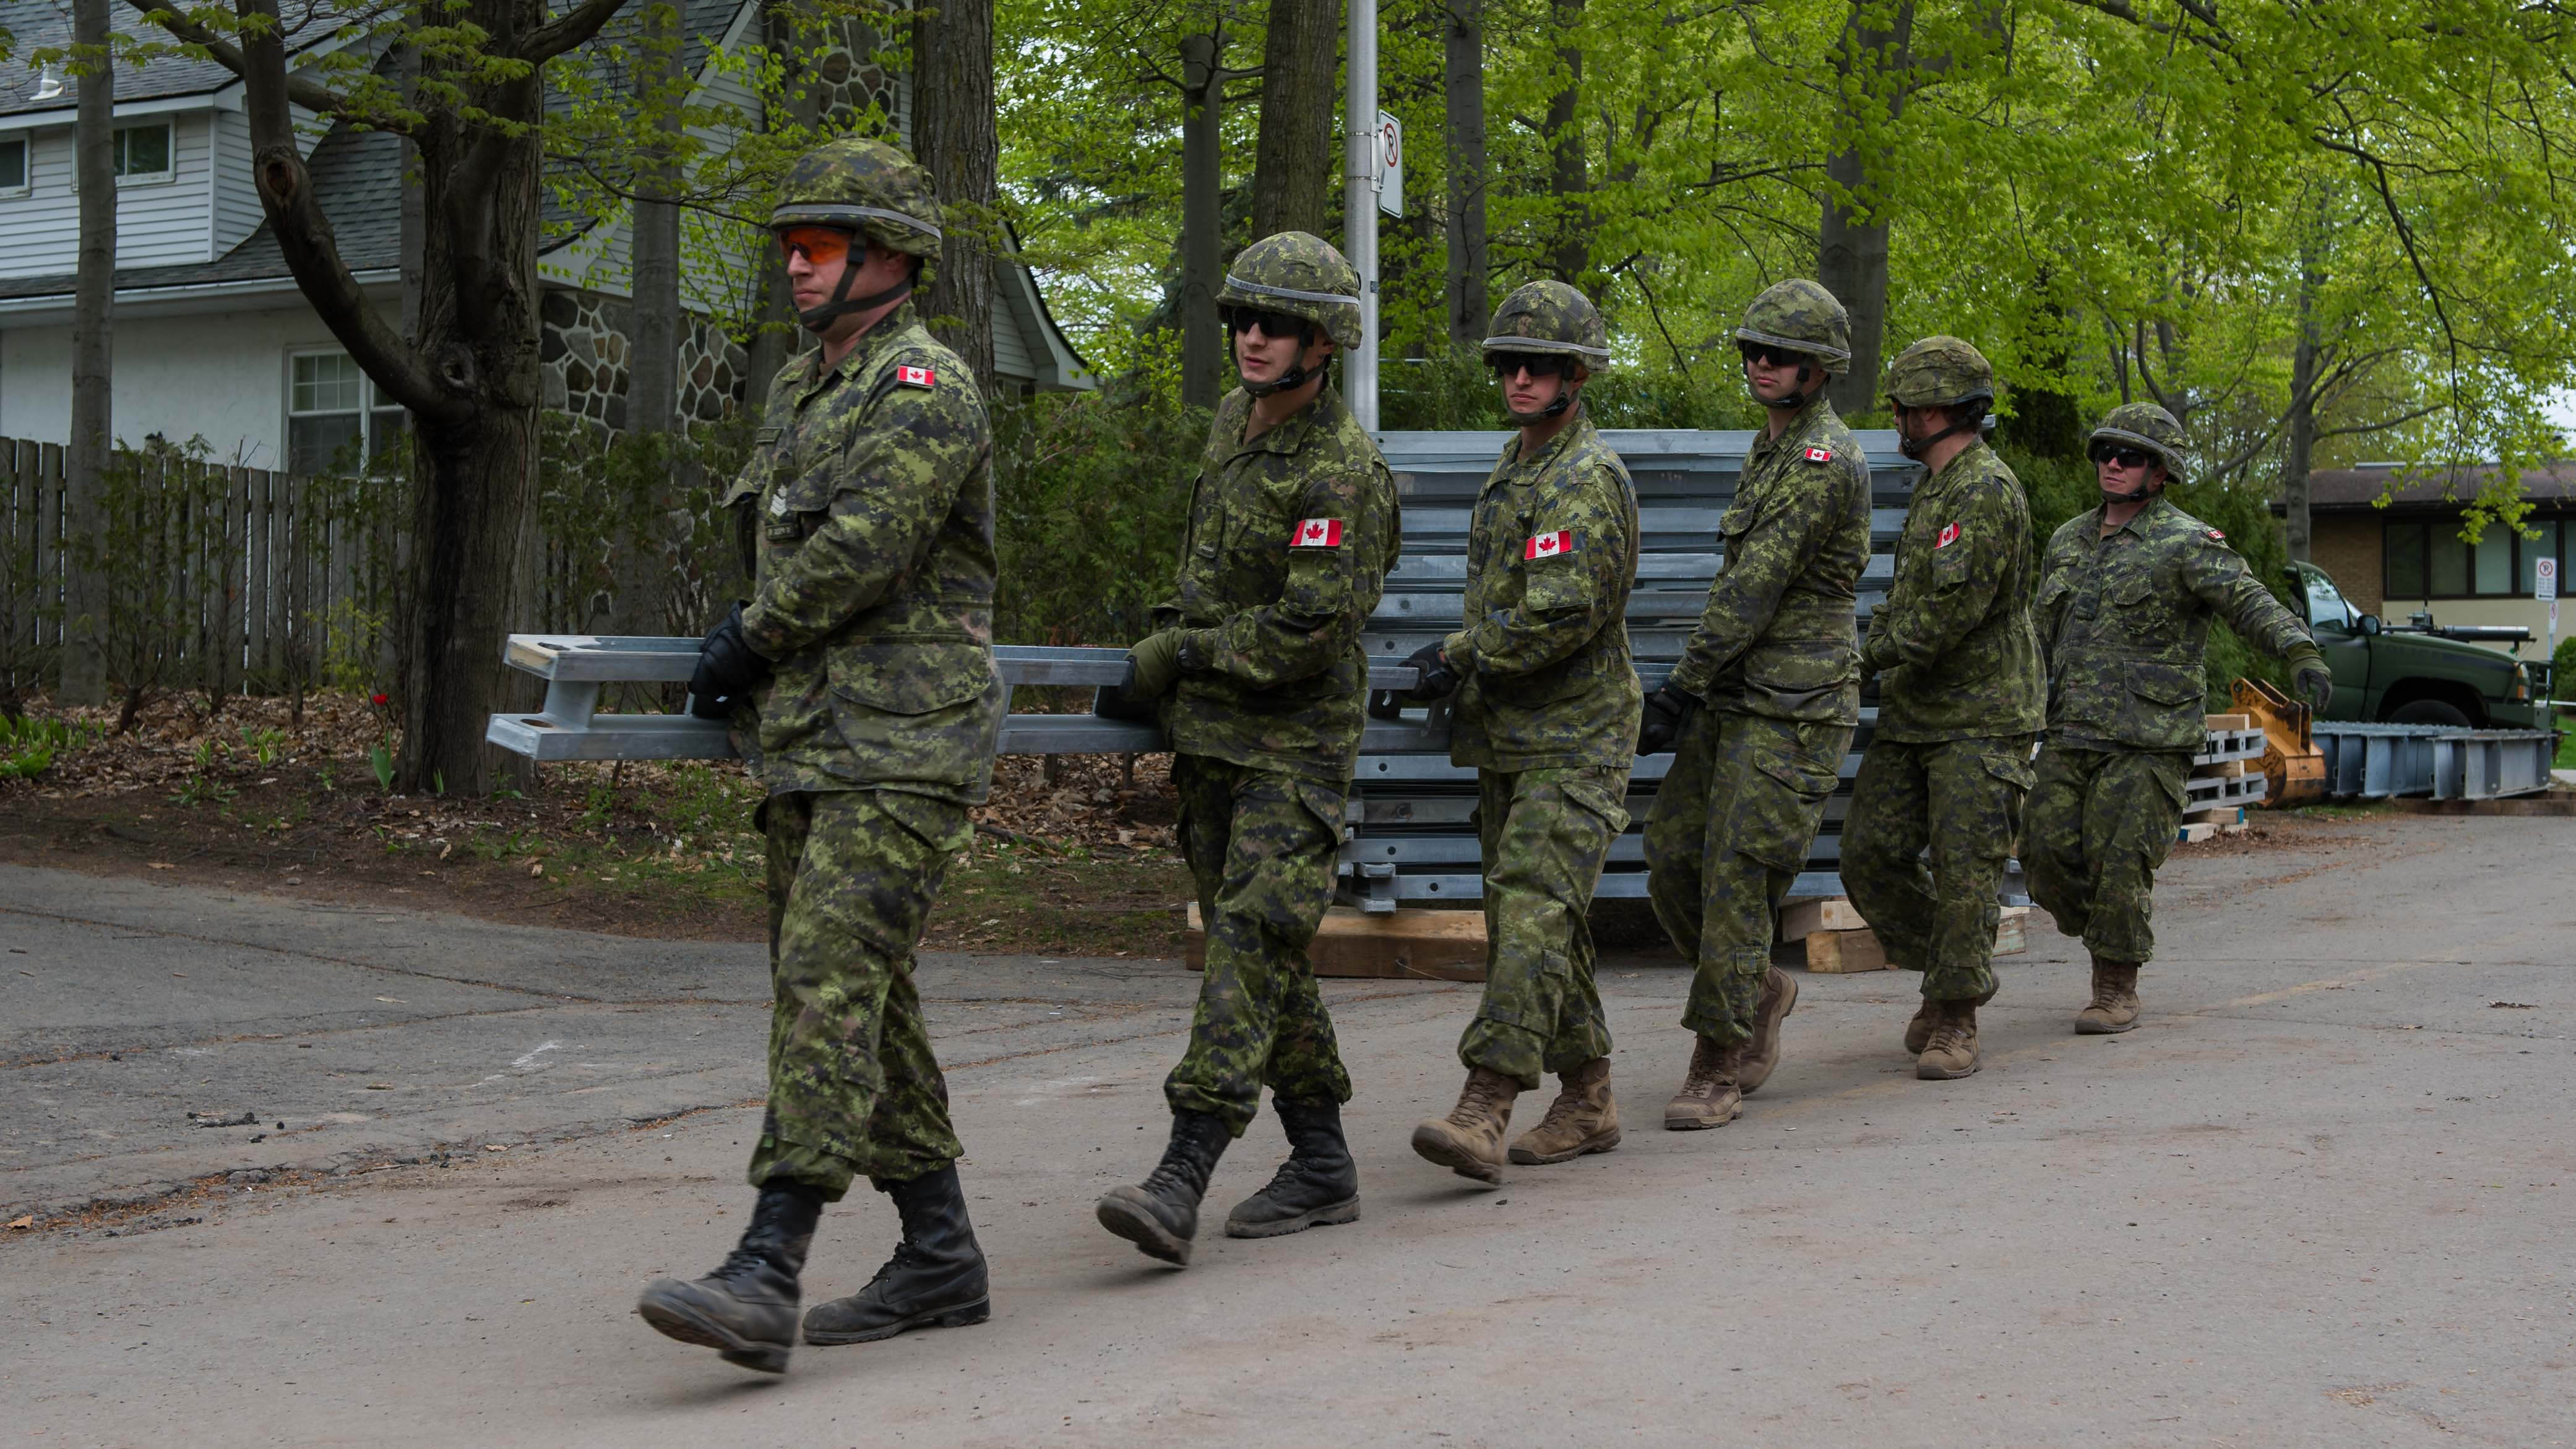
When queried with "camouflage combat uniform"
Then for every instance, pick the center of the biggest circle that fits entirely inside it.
(1959, 702)
(1547, 713)
(2125, 621)
(1291, 535)
(872, 504)
(1773, 659)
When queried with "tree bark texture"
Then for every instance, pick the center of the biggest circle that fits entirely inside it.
(653, 369)
(2300, 444)
(775, 337)
(93, 439)
(1202, 222)
(954, 129)
(1471, 302)
(1295, 161)
(1851, 235)
(1569, 174)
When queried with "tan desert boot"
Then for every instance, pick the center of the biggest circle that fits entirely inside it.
(1582, 1119)
(1951, 1052)
(2115, 999)
(1469, 1141)
(1918, 1032)
(1779, 997)
(1709, 1096)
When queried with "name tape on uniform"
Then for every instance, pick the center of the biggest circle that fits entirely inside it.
(1317, 533)
(923, 377)
(1549, 545)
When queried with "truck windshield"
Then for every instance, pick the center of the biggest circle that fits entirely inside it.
(2326, 607)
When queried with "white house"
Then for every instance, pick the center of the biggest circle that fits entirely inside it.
(212, 338)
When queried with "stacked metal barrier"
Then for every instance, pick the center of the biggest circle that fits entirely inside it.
(2383, 761)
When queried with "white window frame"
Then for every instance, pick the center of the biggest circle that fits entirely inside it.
(370, 403)
(25, 141)
(168, 128)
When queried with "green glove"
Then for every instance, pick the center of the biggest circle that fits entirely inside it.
(1154, 666)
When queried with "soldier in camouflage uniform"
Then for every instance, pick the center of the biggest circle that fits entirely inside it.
(2126, 596)
(1959, 701)
(866, 652)
(1547, 706)
(1772, 661)
(1257, 674)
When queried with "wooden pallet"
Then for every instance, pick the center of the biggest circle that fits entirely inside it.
(1833, 952)
(1386, 945)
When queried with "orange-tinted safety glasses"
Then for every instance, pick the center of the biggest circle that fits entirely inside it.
(818, 245)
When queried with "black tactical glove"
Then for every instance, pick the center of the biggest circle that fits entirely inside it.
(728, 670)
(2310, 677)
(1667, 711)
(1436, 679)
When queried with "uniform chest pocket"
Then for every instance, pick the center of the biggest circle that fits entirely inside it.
(1731, 530)
(797, 503)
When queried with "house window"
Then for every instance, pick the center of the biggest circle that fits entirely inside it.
(335, 420)
(13, 166)
(143, 152)
(2429, 560)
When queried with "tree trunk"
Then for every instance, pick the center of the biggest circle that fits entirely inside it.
(1295, 163)
(93, 439)
(2301, 444)
(1202, 224)
(640, 572)
(953, 131)
(1471, 302)
(1851, 236)
(775, 337)
(1569, 176)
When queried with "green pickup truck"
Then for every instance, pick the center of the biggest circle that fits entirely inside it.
(2418, 673)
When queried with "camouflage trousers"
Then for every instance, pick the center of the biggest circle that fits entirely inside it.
(2100, 823)
(1962, 799)
(1262, 849)
(1730, 830)
(853, 1086)
(1545, 835)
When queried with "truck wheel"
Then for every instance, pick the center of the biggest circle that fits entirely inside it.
(2430, 712)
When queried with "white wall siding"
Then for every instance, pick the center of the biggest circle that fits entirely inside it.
(157, 223)
(236, 195)
(216, 375)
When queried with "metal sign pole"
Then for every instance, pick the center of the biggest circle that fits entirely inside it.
(1359, 206)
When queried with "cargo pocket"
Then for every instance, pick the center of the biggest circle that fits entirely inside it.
(2013, 767)
(1775, 819)
(1593, 797)
(910, 677)
(2170, 685)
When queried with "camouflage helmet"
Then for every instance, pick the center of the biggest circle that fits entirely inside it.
(1940, 372)
(868, 186)
(1299, 275)
(2144, 425)
(1549, 316)
(1800, 316)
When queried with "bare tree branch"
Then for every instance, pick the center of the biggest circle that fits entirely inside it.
(312, 95)
(566, 31)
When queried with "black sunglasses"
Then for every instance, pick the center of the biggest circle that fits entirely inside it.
(1537, 364)
(2122, 454)
(1239, 320)
(1768, 355)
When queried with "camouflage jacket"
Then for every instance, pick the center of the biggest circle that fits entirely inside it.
(2125, 621)
(1957, 655)
(1778, 636)
(873, 589)
(1543, 654)
(1291, 535)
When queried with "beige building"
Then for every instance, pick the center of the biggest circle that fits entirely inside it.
(2408, 557)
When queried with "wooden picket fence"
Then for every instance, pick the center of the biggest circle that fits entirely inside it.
(220, 578)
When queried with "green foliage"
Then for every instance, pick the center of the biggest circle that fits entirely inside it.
(29, 746)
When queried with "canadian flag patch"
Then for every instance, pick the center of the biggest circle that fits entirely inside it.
(1820, 455)
(917, 376)
(2214, 533)
(1549, 545)
(1317, 533)
(1949, 536)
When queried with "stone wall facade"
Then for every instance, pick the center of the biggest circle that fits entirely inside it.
(584, 347)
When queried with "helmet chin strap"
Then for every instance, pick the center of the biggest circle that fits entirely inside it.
(818, 319)
(1567, 395)
(1297, 376)
(1796, 397)
(2142, 494)
(1914, 447)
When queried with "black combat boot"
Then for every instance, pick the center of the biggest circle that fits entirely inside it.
(1317, 1186)
(745, 1309)
(1161, 1215)
(935, 1279)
